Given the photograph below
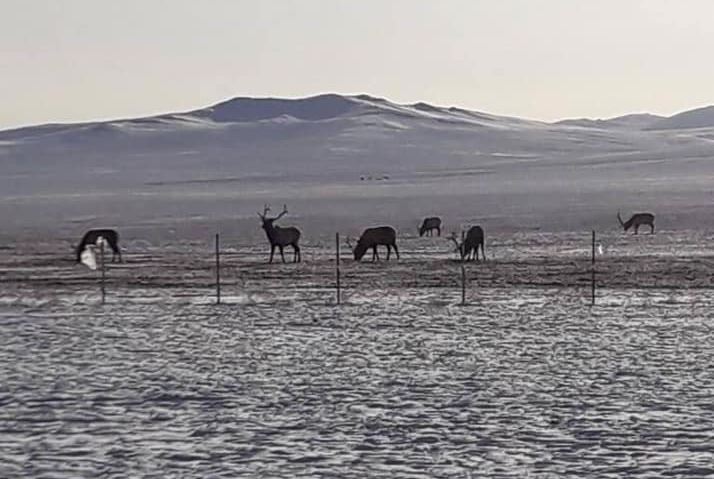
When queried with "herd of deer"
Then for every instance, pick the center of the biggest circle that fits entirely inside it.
(371, 238)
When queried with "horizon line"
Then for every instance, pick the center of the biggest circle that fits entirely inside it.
(343, 95)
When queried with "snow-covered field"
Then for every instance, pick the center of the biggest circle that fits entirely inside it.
(526, 380)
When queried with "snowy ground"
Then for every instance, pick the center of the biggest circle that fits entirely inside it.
(525, 381)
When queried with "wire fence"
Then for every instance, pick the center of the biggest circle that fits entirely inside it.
(223, 274)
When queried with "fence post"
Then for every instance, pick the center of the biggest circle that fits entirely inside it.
(463, 273)
(103, 275)
(218, 270)
(337, 265)
(592, 272)
(463, 284)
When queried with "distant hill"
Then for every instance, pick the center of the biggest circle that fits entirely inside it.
(697, 118)
(635, 121)
(227, 158)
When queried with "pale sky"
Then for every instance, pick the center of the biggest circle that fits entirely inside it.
(78, 60)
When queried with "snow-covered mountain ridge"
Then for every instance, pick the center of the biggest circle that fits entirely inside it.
(324, 149)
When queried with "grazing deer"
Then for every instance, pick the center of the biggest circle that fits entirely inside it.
(429, 225)
(469, 247)
(371, 238)
(280, 237)
(91, 238)
(637, 220)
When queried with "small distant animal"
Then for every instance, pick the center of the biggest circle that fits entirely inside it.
(469, 247)
(280, 237)
(429, 225)
(373, 237)
(637, 220)
(91, 237)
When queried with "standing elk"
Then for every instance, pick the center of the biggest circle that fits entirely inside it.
(373, 237)
(280, 237)
(637, 220)
(469, 247)
(91, 238)
(429, 225)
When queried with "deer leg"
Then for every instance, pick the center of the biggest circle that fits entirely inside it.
(652, 229)
(396, 250)
(272, 252)
(297, 257)
(281, 253)
(438, 231)
(375, 254)
(637, 229)
(389, 252)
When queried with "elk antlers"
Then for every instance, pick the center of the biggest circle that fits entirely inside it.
(283, 213)
(455, 240)
(266, 210)
(459, 246)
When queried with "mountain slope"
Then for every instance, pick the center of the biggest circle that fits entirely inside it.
(348, 155)
(697, 118)
(635, 121)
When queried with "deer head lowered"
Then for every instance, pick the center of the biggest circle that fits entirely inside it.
(280, 237)
(373, 237)
(470, 245)
(428, 225)
(637, 220)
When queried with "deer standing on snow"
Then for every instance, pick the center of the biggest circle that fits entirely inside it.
(280, 237)
(637, 220)
(429, 225)
(373, 237)
(469, 247)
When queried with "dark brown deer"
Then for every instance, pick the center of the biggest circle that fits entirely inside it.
(280, 237)
(91, 238)
(429, 225)
(637, 220)
(470, 245)
(373, 237)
